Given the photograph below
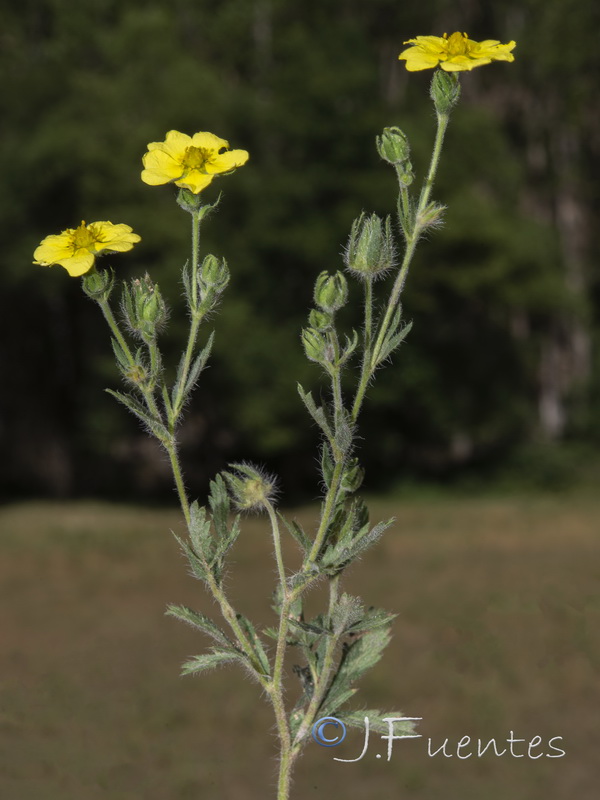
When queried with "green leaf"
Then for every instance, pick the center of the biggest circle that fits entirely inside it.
(357, 658)
(394, 337)
(373, 619)
(200, 533)
(120, 354)
(198, 365)
(154, 426)
(200, 622)
(343, 430)
(356, 719)
(297, 532)
(316, 412)
(220, 505)
(196, 566)
(257, 645)
(207, 661)
(346, 612)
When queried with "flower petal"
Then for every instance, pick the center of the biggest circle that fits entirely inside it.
(224, 162)
(416, 59)
(195, 181)
(77, 265)
(52, 249)
(208, 141)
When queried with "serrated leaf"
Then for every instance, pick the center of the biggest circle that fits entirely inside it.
(200, 622)
(346, 612)
(357, 658)
(199, 529)
(309, 627)
(198, 365)
(316, 412)
(334, 700)
(197, 568)
(207, 661)
(220, 505)
(297, 532)
(373, 619)
(120, 354)
(393, 338)
(377, 724)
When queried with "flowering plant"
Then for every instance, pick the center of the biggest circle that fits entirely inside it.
(340, 644)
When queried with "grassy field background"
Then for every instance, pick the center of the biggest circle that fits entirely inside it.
(498, 631)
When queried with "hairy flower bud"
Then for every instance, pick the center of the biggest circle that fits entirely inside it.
(99, 284)
(320, 320)
(252, 488)
(144, 307)
(370, 251)
(331, 291)
(445, 91)
(316, 346)
(393, 146)
(213, 274)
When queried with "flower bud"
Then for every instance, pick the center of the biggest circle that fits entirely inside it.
(331, 291)
(393, 146)
(370, 249)
(188, 200)
(251, 487)
(213, 274)
(316, 346)
(144, 307)
(445, 91)
(99, 284)
(320, 320)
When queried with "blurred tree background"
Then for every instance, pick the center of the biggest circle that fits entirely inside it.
(501, 369)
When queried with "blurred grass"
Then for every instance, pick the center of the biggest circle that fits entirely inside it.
(498, 605)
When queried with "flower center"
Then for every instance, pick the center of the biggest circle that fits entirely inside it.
(457, 45)
(195, 158)
(83, 238)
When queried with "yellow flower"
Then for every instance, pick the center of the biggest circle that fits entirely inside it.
(453, 53)
(191, 162)
(76, 248)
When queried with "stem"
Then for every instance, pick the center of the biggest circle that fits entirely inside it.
(278, 703)
(197, 313)
(365, 373)
(411, 243)
(116, 331)
(277, 544)
(226, 608)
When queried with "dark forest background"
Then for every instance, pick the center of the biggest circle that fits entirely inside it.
(500, 375)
